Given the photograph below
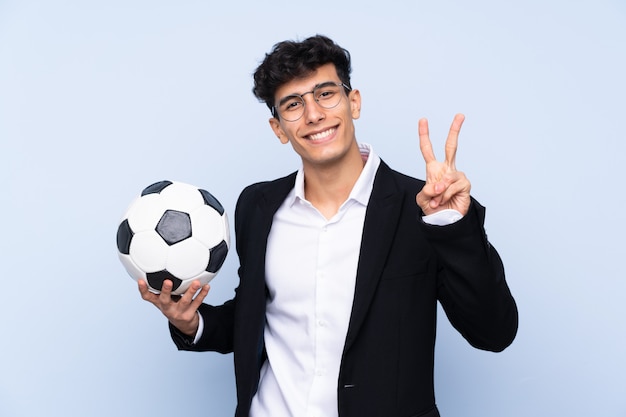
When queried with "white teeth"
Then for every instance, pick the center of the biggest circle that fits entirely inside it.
(322, 135)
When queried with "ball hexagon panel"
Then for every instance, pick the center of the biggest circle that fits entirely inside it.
(187, 259)
(145, 212)
(209, 226)
(132, 268)
(181, 197)
(149, 251)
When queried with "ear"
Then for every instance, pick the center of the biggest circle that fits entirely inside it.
(278, 130)
(355, 103)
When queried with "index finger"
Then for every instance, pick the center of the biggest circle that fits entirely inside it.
(452, 142)
(425, 146)
(145, 291)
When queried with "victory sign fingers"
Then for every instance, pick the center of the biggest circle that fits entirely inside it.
(445, 188)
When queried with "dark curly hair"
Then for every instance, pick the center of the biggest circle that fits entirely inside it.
(289, 60)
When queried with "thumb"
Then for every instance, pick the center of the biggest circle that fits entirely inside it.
(426, 198)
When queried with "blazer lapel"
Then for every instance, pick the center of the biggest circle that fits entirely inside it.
(260, 214)
(381, 217)
(270, 199)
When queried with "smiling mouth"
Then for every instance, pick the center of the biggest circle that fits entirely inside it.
(322, 135)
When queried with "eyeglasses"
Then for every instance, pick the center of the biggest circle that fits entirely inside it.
(327, 95)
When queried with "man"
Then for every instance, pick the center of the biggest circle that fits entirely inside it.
(343, 262)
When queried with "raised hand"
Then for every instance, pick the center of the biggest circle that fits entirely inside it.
(181, 311)
(446, 188)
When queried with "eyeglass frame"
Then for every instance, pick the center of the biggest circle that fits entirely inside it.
(347, 89)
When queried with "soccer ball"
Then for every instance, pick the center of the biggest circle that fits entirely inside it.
(173, 231)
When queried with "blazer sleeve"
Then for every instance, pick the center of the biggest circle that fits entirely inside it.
(471, 282)
(217, 334)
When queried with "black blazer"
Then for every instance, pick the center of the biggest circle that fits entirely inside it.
(404, 267)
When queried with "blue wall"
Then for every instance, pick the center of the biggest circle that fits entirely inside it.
(99, 99)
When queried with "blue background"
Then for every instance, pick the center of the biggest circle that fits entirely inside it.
(100, 98)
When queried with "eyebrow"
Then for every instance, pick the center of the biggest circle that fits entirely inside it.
(322, 84)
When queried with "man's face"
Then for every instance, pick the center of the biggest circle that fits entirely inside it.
(321, 136)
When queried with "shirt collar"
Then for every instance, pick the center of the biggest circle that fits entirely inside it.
(362, 188)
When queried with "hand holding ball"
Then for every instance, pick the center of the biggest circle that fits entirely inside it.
(173, 231)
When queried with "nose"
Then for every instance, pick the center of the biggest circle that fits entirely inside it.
(313, 112)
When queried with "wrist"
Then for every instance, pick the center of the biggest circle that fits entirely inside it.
(188, 328)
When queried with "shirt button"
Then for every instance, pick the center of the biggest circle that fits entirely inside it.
(321, 323)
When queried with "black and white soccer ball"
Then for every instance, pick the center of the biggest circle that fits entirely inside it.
(173, 231)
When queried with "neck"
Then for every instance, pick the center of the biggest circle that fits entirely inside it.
(327, 187)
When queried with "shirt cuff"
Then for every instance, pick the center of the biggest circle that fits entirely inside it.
(443, 217)
(200, 328)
